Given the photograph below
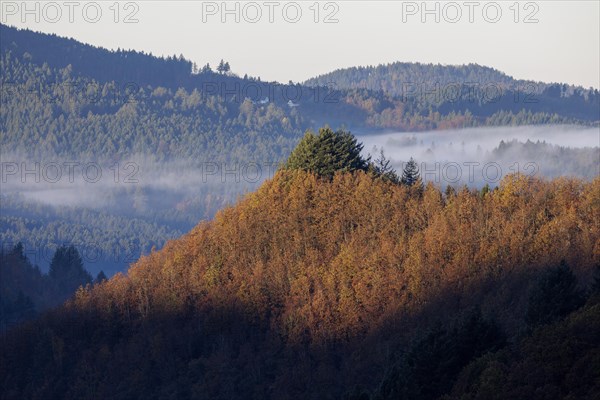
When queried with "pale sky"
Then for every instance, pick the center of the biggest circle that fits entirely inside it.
(560, 42)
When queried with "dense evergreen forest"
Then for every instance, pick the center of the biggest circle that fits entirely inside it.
(64, 97)
(338, 278)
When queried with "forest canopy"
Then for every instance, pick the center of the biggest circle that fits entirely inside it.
(371, 284)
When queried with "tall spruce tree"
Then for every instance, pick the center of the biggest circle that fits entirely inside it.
(410, 174)
(221, 67)
(66, 269)
(101, 277)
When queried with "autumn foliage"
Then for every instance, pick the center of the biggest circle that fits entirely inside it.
(309, 286)
(351, 253)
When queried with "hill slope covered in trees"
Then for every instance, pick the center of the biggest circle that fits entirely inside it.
(134, 102)
(66, 101)
(318, 287)
(406, 79)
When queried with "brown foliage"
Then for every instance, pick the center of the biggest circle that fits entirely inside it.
(321, 261)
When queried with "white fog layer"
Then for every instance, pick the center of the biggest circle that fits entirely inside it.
(483, 155)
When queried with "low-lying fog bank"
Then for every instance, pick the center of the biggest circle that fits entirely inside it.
(484, 155)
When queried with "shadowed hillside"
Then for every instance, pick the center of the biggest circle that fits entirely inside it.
(321, 288)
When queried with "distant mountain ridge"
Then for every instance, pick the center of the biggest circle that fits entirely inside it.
(396, 78)
(400, 96)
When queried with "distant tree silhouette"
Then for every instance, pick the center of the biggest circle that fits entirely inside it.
(485, 189)
(221, 66)
(382, 167)
(25, 290)
(101, 277)
(410, 174)
(66, 269)
(206, 68)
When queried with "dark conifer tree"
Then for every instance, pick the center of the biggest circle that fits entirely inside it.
(101, 277)
(221, 67)
(327, 153)
(66, 269)
(410, 174)
(383, 168)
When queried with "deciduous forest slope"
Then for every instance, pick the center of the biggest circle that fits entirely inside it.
(344, 287)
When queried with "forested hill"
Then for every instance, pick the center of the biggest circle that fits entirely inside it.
(349, 286)
(403, 79)
(63, 100)
(337, 279)
(70, 87)
(386, 76)
(95, 62)
(438, 85)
